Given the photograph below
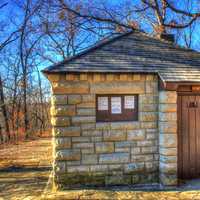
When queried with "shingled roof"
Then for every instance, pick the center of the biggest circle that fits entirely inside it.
(135, 52)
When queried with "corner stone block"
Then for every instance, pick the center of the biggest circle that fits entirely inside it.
(168, 180)
(168, 151)
(114, 158)
(168, 116)
(66, 131)
(168, 159)
(167, 97)
(70, 87)
(61, 110)
(168, 127)
(168, 168)
(62, 143)
(59, 167)
(60, 121)
(59, 99)
(68, 155)
(135, 134)
(168, 140)
(168, 107)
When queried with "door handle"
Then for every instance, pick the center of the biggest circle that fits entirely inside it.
(192, 104)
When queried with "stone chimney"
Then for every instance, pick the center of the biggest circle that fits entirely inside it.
(167, 37)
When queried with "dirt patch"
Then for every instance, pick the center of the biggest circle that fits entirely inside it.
(25, 169)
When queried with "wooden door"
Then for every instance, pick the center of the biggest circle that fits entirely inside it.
(188, 136)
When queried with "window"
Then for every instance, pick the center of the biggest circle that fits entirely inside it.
(111, 108)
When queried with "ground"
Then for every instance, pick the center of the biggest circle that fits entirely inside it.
(25, 171)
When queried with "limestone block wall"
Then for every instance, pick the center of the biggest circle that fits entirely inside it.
(168, 137)
(90, 153)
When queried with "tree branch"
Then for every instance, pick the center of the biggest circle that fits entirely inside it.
(91, 17)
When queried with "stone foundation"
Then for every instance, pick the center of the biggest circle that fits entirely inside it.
(117, 153)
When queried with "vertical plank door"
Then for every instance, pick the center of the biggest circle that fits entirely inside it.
(188, 136)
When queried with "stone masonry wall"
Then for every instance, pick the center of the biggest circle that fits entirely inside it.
(168, 137)
(90, 153)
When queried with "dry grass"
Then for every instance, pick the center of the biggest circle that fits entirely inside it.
(25, 169)
(31, 153)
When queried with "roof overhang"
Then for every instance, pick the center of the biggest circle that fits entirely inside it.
(174, 86)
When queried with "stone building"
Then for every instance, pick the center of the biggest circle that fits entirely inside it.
(125, 112)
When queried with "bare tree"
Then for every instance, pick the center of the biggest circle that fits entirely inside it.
(4, 109)
(161, 15)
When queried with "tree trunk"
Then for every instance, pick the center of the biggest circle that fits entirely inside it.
(41, 103)
(4, 110)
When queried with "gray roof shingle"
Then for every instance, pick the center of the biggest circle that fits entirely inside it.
(135, 52)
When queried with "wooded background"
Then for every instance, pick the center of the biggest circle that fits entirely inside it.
(37, 33)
